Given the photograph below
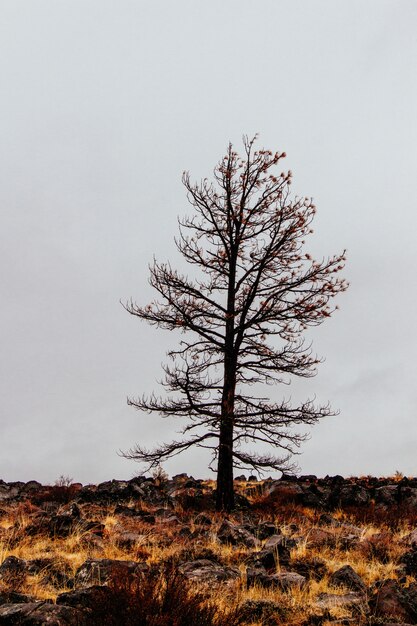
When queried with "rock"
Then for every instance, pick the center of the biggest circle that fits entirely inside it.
(388, 494)
(318, 537)
(265, 530)
(286, 491)
(180, 477)
(12, 568)
(352, 600)
(8, 491)
(61, 526)
(31, 486)
(266, 612)
(274, 542)
(55, 572)
(129, 540)
(89, 598)
(312, 569)
(12, 597)
(409, 559)
(202, 520)
(281, 580)
(204, 570)
(236, 535)
(326, 519)
(127, 511)
(377, 546)
(99, 571)
(396, 602)
(38, 614)
(353, 495)
(412, 538)
(72, 510)
(347, 577)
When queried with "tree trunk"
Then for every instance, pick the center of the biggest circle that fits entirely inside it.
(225, 498)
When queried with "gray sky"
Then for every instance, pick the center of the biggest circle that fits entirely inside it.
(104, 104)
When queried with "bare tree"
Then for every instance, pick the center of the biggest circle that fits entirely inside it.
(242, 321)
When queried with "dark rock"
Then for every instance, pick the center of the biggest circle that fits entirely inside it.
(274, 542)
(347, 577)
(286, 492)
(312, 569)
(236, 535)
(377, 546)
(12, 597)
(61, 526)
(353, 601)
(12, 567)
(55, 572)
(326, 519)
(409, 559)
(266, 612)
(38, 614)
(275, 552)
(388, 494)
(99, 571)
(89, 598)
(318, 537)
(353, 495)
(281, 580)
(31, 486)
(265, 530)
(202, 520)
(205, 570)
(180, 477)
(128, 540)
(411, 538)
(127, 511)
(396, 602)
(94, 527)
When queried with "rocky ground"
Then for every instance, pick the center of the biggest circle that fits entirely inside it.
(153, 552)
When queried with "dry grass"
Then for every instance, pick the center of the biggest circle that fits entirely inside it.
(374, 556)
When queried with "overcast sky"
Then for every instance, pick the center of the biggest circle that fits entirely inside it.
(104, 104)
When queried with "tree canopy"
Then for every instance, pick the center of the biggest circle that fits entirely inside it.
(242, 320)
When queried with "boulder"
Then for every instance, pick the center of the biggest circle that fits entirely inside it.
(265, 530)
(12, 597)
(281, 580)
(351, 494)
(202, 520)
(265, 612)
(205, 570)
(395, 602)
(312, 569)
(409, 560)
(387, 494)
(411, 538)
(352, 601)
(129, 540)
(286, 491)
(12, 569)
(99, 571)
(318, 537)
(229, 533)
(347, 577)
(88, 598)
(38, 614)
